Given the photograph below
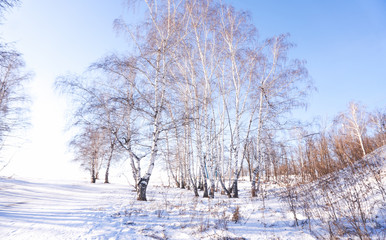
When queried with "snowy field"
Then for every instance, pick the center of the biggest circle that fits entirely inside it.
(42, 209)
(31, 209)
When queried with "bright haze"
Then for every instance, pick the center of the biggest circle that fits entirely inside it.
(343, 42)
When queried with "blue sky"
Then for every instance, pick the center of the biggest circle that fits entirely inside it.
(343, 42)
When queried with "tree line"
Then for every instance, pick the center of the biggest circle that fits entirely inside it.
(202, 95)
(198, 88)
(352, 135)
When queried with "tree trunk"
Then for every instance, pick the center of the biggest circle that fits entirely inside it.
(253, 191)
(107, 174)
(224, 189)
(235, 189)
(144, 181)
(141, 189)
(256, 174)
(93, 175)
(256, 171)
(194, 185)
(93, 178)
(212, 189)
(205, 186)
(200, 185)
(109, 163)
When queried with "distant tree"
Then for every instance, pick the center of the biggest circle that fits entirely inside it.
(280, 86)
(5, 4)
(13, 99)
(124, 108)
(351, 135)
(378, 121)
(12, 96)
(87, 146)
(94, 142)
(354, 123)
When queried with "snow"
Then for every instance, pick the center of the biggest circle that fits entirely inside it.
(50, 210)
(31, 209)
(53, 209)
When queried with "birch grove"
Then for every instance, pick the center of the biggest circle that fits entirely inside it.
(196, 91)
(202, 97)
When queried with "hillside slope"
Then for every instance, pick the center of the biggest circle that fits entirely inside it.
(347, 203)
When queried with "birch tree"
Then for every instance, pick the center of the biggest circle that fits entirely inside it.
(354, 121)
(186, 89)
(199, 66)
(13, 77)
(13, 98)
(159, 34)
(280, 86)
(237, 37)
(378, 120)
(88, 150)
(92, 123)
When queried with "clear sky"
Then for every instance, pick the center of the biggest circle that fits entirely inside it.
(343, 42)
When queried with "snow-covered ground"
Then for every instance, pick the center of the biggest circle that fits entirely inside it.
(350, 203)
(43, 209)
(31, 209)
